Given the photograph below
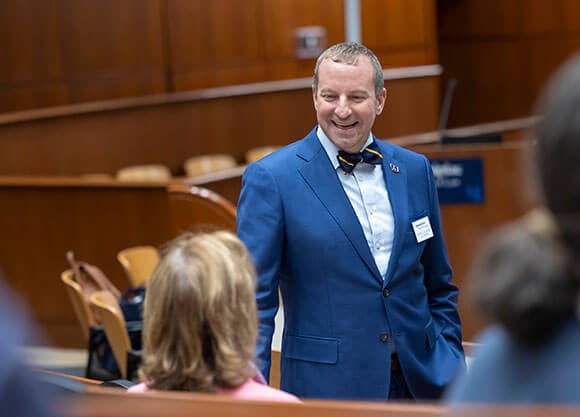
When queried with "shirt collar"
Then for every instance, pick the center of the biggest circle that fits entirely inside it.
(331, 149)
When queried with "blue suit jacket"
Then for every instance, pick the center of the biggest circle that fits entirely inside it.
(303, 233)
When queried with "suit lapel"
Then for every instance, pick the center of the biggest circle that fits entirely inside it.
(396, 181)
(321, 177)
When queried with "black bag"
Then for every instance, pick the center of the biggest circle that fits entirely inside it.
(102, 364)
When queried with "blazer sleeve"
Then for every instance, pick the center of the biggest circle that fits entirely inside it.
(441, 291)
(260, 227)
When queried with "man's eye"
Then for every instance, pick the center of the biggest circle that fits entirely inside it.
(329, 97)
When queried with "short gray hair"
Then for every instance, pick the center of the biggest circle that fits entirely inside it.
(348, 53)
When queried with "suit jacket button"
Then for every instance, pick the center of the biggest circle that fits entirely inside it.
(386, 292)
(384, 337)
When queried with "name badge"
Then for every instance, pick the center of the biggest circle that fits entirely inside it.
(422, 229)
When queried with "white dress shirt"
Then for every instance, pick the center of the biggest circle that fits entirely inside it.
(366, 189)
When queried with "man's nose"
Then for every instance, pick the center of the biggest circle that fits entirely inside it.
(342, 109)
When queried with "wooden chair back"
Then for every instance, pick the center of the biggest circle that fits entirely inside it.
(81, 308)
(144, 173)
(138, 263)
(192, 207)
(114, 325)
(205, 164)
(259, 152)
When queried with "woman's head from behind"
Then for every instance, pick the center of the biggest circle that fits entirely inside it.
(557, 158)
(527, 275)
(200, 320)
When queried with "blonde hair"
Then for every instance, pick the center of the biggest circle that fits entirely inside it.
(200, 319)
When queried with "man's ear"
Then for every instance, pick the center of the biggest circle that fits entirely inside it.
(381, 99)
(314, 97)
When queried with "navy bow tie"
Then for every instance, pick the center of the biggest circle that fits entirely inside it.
(371, 155)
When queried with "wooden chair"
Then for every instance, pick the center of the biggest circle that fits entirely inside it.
(89, 324)
(192, 207)
(115, 328)
(138, 263)
(145, 173)
(259, 152)
(205, 164)
(81, 308)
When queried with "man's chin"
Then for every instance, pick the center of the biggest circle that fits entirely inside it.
(347, 144)
(344, 135)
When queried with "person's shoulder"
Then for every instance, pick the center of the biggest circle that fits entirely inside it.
(252, 390)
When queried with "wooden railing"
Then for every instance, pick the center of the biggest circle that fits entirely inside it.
(107, 402)
(102, 137)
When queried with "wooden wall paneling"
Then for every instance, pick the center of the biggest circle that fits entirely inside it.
(491, 81)
(232, 42)
(546, 40)
(281, 19)
(112, 49)
(64, 51)
(539, 17)
(99, 142)
(543, 57)
(570, 21)
(215, 43)
(401, 33)
(31, 66)
(502, 52)
(461, 19)
(284, 118)
(41, 221)
(412, 106)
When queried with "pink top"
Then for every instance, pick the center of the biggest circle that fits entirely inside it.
(250, 390)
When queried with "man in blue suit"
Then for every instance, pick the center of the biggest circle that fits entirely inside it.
(348, 228)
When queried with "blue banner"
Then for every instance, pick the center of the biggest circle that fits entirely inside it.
(459, 181)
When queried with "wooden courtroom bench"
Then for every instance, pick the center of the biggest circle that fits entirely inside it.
(96, 400)
(110, 402)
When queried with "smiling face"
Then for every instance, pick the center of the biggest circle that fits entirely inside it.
(346, 103)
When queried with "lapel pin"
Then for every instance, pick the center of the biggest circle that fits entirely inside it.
(394, 168)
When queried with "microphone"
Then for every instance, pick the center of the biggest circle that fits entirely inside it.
(446, 107)
(454, 139)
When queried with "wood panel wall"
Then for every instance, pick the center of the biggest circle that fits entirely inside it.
(401, 33)
(502, 52)
(58, 52)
